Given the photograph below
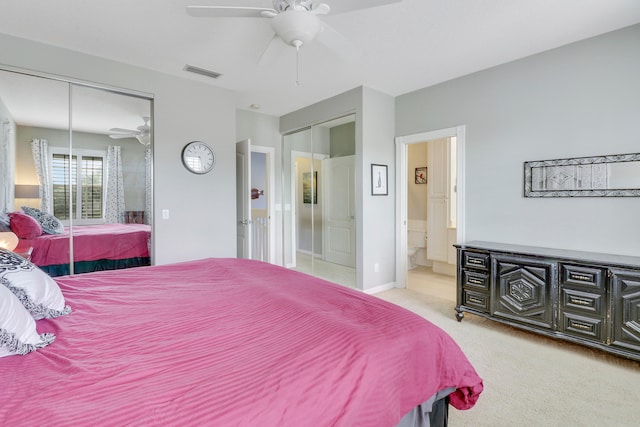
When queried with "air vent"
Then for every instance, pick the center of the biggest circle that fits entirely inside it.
(202, 71)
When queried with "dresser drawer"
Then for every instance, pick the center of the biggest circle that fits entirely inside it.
(475, 260)
(476, 300)
(582, 326)
(582, 276)
(475, 280)
(580, 301)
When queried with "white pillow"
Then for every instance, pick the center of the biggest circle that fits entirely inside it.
(18, 333)
(38, 292)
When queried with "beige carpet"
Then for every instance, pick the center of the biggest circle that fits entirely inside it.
(532, 380)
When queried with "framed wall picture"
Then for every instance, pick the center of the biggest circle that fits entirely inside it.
(310, 187)
(421, 175)
(379, 177)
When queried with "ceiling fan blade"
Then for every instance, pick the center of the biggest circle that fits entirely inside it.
(273, 51)
(338, 43)
(321, 9)
(227, 11)
(121, 136)
(350, 5)
(120, 130)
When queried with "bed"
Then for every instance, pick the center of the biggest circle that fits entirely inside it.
(95, 248)
(232, 342)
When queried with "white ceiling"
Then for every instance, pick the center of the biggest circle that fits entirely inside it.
(404, 46)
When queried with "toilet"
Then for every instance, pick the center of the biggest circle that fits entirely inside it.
(416, 242)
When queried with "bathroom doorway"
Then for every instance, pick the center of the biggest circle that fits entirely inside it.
(429, 201)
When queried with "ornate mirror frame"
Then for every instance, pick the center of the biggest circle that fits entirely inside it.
(583, 177)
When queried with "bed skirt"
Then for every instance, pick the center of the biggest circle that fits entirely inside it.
(99, 265)
(432, 413)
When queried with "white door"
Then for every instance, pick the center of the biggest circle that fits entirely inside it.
(339, 219)
(262, 204)
(437, 199)
(243, 198)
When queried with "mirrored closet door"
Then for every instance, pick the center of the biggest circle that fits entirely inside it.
(77, 157)
(319, 205)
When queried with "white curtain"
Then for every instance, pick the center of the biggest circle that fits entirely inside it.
(40, 149)
(6, 170)
(148, 190)
(114, 200)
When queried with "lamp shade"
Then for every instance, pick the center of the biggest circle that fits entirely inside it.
(27, 192)
(8, 240)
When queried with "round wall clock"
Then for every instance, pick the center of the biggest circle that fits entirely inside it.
(198, 157)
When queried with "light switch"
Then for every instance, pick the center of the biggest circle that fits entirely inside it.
(165, 213)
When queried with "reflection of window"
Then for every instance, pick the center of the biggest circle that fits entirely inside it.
(195, 163)
(90, 194)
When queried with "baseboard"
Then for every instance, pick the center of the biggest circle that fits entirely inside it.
(380, 288)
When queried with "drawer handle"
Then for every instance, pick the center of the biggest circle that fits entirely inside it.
(581, 326)
(476, 281)
(580, 301)
(476, 261)
(475, 300)
(581, 277)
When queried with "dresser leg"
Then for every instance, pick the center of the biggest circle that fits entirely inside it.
(459, 314)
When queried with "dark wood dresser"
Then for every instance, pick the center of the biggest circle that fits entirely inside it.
(586, 298)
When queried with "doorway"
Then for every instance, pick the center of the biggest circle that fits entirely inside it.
(255, 185)
(440, 208)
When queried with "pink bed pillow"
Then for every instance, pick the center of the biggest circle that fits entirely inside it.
(24, 226)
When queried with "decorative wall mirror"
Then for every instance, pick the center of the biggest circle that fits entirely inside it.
(94, 169)
(615, 175)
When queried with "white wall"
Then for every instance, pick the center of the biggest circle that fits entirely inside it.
(202, 207)
(577, 100)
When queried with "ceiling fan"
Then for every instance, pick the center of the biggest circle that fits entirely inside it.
(141, 133)
(294, 22)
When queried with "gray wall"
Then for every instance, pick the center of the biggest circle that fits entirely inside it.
(343, 140)
(202, 207)
(578, 100)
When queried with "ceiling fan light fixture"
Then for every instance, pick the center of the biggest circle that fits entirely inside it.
(295, 25)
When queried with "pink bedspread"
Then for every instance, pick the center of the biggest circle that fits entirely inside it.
(229, 342)
(92, 243)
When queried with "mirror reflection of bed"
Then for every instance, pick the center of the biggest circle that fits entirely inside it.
(109, 212)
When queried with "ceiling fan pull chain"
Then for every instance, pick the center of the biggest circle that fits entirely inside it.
(297, 44)
(298, 66)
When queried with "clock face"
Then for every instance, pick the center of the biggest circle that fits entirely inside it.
(198, 157)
